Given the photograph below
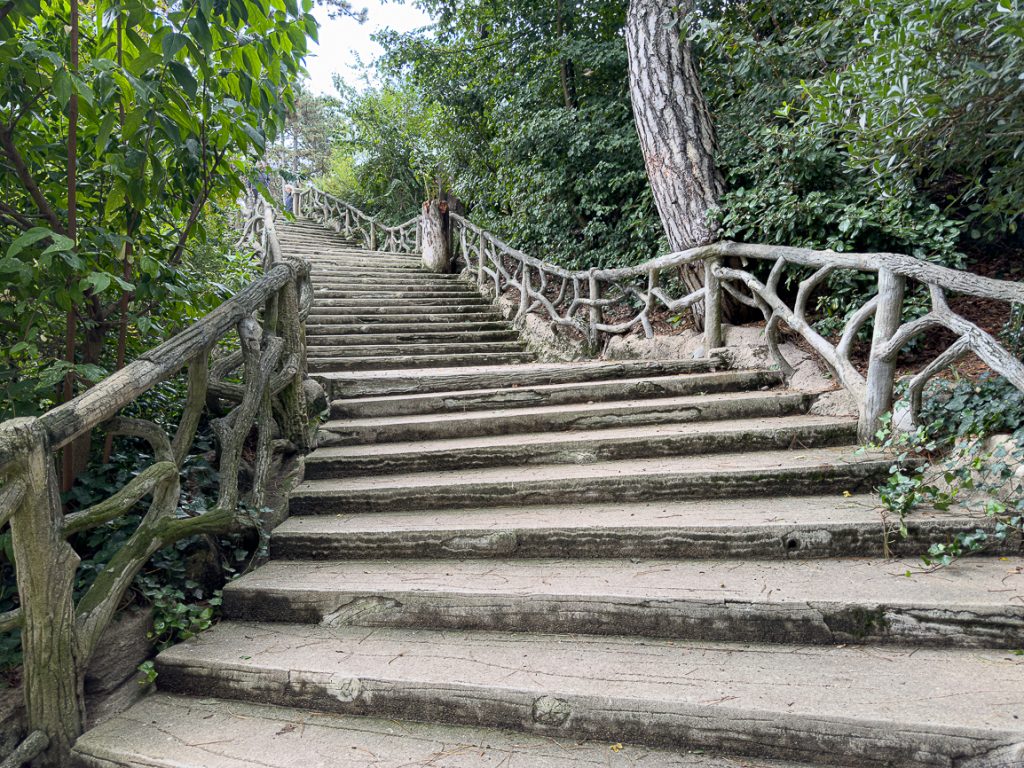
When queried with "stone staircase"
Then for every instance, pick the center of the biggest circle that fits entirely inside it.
(499, 562)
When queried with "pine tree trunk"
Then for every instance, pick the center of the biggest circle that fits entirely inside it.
(674, 125)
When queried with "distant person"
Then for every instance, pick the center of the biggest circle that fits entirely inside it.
(289, 196)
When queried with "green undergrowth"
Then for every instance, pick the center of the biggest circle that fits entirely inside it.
(948, 461)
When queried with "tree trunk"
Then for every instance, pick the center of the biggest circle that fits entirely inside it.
(674, 125)
(436, 253)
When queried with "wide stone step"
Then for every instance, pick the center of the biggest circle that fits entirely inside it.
(554, 394)
(460, 314)
(919, 708)
(340, 330)
(358, 279)
(331, 267)
(406, 306)
(588, 447)
(382, 295)
(165, 731)
(401, 304)
(384, 384)
(383, 350)
(970, 605)
(425, 336)
(555, 418)
(756, 527)
(811, 471)
(386, 363)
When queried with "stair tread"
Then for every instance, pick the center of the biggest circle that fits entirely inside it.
(358, 405)
(975, 584)
(968, 699)
(530, 372)
(165, 731)
(614, 406)
(663, 430)
(775, 512)
(733, 464)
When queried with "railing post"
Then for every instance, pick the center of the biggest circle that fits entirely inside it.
(712, 307)
(45, 569)
(373, 235)
(596, 316)
(524, 292)
(881, 371)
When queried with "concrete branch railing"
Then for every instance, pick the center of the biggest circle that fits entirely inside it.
(59, 635)
(349, 221)
(602, 302)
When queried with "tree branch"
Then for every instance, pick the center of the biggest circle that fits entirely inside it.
(7, 142)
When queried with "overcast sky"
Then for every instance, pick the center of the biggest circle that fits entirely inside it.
(343, 42)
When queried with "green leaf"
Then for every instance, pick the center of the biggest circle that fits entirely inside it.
(98, 281)
(172, 43)
(184, 78)
(22, 242)
(103, 134)
(201, 32)
(62, 87)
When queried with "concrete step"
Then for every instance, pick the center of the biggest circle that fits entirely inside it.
(425, 336)
(406, 306)
(587, 447)
(403, 304)
(315, 330)
(382, 295)
(390, 363)
(916, 708)
(558, 418)
(348, 266)
(391, 383)
(165, 731)
(384, 350)
(808, 602)
(396, 279)
(356, 315)
(554, 394)
(811, 471)
(759, 527)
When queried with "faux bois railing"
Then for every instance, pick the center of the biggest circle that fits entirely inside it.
(261, 381)
(598, 302)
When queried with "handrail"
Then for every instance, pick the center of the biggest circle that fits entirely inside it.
(582, 299)
(344, 218)
(59, 635)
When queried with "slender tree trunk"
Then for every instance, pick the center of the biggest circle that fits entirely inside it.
(70, 464)
(674, 125)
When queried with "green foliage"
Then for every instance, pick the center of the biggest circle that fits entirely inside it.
(170, 99)
(946, 461)
(521, 112)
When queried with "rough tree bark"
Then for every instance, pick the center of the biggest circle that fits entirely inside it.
(436, 251)
(674, 125)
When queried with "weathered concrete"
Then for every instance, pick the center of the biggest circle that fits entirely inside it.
(371, 383)
(402, 349)
(973, 605)
(386, 363)
(814, 470)
(827, 704)
(576, 416)
(188, 732)
(582, 447)
(779, 527)
(552, 394)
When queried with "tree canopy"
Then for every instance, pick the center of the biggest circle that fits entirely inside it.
(123, 124)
